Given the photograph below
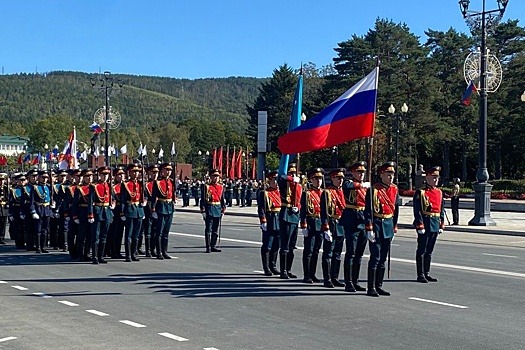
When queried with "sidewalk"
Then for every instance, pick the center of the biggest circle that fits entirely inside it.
(508, 222)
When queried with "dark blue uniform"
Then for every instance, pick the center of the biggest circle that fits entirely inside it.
(41, 213)
(268, 208)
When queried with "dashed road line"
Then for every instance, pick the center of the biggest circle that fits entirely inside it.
(19, 287)
(7, 339)
(98, 313)
(172, 336)
(42, 295)
(439, 303)
(2, 282)
(501, 256)
(258, 271)
(133, 324)
(68, 303)
(210, 349)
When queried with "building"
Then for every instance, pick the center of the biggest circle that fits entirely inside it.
(12, 145)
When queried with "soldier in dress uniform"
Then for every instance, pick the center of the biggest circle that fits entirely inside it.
(82, 214)
(116, 229)
(249, 193)
(163, 209)
(212, 208)
(40, 210)
(454, 201)
(185, 192)
(311, 224)
(99, 207)
(132, 199)
(228, 192)
(291, 192)
(429, 222)
(54, 221)
(195, 191)
(4, 211)
(244, 184)
(237, 191)
(74, 179)
(61, 202)
(16, 211)
(332, 207)
(354, 225)
(268, 208)
(149, 224)
(381, 225)
(28, 193)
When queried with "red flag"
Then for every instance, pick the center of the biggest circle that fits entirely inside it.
(19, 161)
(214, 161)
(3, 160)
(36, 160)
(227, 172)
(232, 168)
(253, 167)
(219, 163)
(239, 164)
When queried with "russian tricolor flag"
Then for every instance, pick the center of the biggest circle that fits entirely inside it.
(471, 88)
(348, 118)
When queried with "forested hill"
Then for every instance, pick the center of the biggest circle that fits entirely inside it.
(144, 102)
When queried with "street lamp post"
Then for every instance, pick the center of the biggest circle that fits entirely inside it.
(392, 110)
(46, 148)
(107, 84)
(482, 188)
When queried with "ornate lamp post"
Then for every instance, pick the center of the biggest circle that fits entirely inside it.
(106, 83)
(482, 188)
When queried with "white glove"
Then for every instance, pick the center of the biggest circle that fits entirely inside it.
(154, 215)
(145, 203)
(53, 205)
(11, 218)
(77, 221)
(371, 235)
(123, 218)
(203, 216)
(440, 231)
(67, 218)
(91, 220)
(304, 231)
(264, 226)
(22, 216)
(328, 235)
(56, 215)
(36, 216)
(421, 232)
(296, 179)
(142, 217)
(112, 206)
(365, 184)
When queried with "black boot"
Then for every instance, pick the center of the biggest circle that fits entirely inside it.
(165, 249)
(127, 247)
(94, 251)
(289, 262)
(139, 246)
(306, 270)
(427, 269)
(313, 269)
(355, 277)
(371, 290)
(349, 286)
(134, 244)
(37, 238)
(282, 263)
(207, 242)
(101, 249)
(43, 240)
(158, 245)
(213, 243)
(273, 263)
(266, 269)
(334, 273)
(147, 241)
(419, 270)
(325, 264)
(379, 282)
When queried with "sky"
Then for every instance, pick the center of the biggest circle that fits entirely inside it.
(203, 38)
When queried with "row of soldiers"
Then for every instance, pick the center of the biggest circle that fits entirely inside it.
(83, 214)
(329, 216)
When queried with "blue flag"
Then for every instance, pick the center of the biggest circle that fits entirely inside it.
(295, 120)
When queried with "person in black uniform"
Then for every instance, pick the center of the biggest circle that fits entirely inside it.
(185, 192)
(40, 210)
(116, 229)
(354, 225)
(74, 179)
(17, 211)
(454, 201)
(81, 215)
(149, 224)
(28, 193)
(249, 193)
(244, 184)
(228, 192)
(4, 211)
(61, 200)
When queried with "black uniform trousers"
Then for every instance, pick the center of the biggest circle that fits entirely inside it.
(425, 247)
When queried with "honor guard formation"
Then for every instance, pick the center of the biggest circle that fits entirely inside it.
(91, 213)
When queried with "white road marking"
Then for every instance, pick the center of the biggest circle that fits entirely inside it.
(68, 303)
(2, 282)
(19, 287)
(514, 242)
(172, 336)
(98, 313)
(210, 349)
(439, 303)
(133, 324)
(7, 339)
(394, 245)
(40, 294)
(258, 271)
(408, 261)
(502, 256)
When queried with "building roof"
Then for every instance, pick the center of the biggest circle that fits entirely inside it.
(13, 140)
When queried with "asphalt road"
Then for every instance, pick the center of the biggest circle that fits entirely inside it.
(222, 301)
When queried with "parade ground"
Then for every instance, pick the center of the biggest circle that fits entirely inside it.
(222, 301)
